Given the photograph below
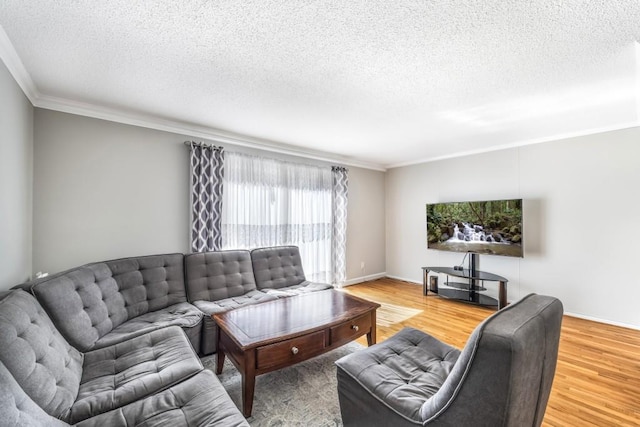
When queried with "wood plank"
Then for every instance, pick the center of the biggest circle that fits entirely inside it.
(597, 380)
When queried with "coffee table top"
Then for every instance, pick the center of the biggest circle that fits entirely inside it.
(272, 321)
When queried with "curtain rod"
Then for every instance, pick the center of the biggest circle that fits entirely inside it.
(215, 147)
(202, 144)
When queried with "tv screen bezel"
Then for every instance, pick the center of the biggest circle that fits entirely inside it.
(474, 249)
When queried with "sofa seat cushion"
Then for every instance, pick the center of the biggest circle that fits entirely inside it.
(402, 372)
(211, 307)
(303, 288)
(198, 401)
(182, 314)
(210, 329)
(123, 373)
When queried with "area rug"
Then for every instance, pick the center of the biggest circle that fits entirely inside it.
(305, 394)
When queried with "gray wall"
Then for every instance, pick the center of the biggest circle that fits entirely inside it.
(105, 190)
(365, 225)
(16, 182)
(581, 212)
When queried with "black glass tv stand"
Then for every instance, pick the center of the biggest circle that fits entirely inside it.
(468, 290)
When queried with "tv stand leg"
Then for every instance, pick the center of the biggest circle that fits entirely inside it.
(425, 284)
(502, 295)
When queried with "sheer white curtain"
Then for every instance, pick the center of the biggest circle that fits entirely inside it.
(268, 202)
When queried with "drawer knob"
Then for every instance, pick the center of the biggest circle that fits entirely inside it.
(294, 350)
(355, 328)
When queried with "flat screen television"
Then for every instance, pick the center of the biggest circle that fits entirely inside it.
(492, 227)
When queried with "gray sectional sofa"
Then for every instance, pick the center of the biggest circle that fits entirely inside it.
(117, 342)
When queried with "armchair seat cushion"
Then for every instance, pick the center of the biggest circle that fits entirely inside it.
(182, 314)
(401, 372)
(123, 373)
(302, 288)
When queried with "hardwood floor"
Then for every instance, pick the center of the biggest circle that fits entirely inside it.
(597, 380)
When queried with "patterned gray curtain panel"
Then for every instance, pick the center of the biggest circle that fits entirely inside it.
(339, 222)
(207, 170)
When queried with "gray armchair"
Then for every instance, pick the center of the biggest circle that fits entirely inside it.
(502, 377)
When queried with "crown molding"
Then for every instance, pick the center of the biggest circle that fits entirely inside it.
(556, 137)
(191, 130)
(14, 64)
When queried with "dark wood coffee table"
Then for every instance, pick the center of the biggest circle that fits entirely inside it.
(272, 335)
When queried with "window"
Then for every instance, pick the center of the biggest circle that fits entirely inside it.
(268, 202)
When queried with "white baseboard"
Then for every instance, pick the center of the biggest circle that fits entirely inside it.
(368, 278)
(405, 280)
(378, 276)
(605, 321)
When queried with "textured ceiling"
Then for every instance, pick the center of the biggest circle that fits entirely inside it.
(385, 82)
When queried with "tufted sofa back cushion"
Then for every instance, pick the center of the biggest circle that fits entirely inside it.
(213, 276)
(40, 360)
(277, 267)
(149, 283)
(17, 409)
(84, 303)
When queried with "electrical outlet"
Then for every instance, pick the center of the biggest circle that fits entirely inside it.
(362, 265)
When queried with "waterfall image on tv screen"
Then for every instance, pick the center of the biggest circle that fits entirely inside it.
(491, 227)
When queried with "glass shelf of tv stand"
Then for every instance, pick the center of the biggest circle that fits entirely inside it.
(470, 291)
(465, 286)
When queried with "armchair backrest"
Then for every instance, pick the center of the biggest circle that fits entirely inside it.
(506, 368)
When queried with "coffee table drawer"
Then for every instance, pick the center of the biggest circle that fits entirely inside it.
(290, 351)
(351, 329)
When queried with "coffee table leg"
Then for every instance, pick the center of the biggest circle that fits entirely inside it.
(220, 360)
(248, 382)
(219, 354)
(371, 335)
